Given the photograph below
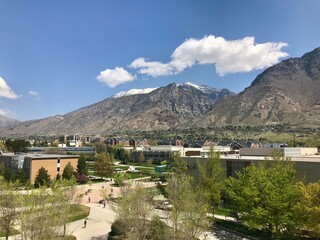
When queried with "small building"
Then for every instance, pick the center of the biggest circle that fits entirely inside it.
(31, 163)
(55, 164)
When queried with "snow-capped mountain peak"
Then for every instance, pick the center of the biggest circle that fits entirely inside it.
(204, 89)
(133, 92)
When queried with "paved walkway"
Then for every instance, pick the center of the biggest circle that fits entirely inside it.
(101, 218)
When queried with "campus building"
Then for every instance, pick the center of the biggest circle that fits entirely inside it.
(31, 163)
(306, 161)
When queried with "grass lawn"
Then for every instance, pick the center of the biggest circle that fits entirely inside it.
(13, 232)
(78, 212)
(223, 211)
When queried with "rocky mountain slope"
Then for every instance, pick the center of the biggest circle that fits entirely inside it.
(7, 122)
(161, 108)
(288, 92)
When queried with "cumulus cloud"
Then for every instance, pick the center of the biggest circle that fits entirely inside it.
(153, 69)
(228, 56)
(5, 90)
(114, 77)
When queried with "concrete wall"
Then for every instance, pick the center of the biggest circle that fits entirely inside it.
(256, 151)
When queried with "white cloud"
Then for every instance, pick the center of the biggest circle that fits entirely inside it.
(242, 55)
(114, 77)
(153, 69)
(33, 93)
(5, 90)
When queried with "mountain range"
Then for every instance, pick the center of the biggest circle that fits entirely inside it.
(151, 109)
(287, 92)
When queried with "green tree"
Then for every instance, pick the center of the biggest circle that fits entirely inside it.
(8, 175)
(122, 155)
(134, 210)
(211, 179)
(101, 148)
(17, 145)
(20, 177)
(189, 212)
(265, 195)
(82, 165)
(103, 165)
(9, 203)
(119, 178)
(42, 178)
(68, 171)
(307, 210)
(45, 214)
(66, 196)
(176, 163)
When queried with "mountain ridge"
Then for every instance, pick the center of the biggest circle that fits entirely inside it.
(287, 92)
(162, 108)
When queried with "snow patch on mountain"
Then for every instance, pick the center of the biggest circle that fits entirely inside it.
(133, 92)
(204, 89)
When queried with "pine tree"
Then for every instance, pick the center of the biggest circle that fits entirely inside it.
(68, 171)
(42, 178)
(82, 165)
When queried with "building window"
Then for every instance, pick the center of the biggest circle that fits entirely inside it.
(58, 169)
(58, 160)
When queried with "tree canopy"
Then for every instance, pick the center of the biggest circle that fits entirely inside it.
(68, 171)
(42, 178)
(17, 145)
(211, 177)
(103, 165)
(82, 165)
(265, 195)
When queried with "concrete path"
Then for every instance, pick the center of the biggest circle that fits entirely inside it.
(101, 218)
(99, 223)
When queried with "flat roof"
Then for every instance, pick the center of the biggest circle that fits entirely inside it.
(309, 158)
(41, 156)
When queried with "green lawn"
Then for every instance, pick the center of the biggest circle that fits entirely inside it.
(223, 211)
(78, 212)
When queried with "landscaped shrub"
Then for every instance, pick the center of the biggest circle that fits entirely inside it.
(117, 228)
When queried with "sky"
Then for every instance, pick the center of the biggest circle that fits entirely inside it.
(59, 56)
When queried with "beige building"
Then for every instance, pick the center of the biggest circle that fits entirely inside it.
(55, 164)
(31, 163)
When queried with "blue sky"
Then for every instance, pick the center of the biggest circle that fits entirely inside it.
(58, 56)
